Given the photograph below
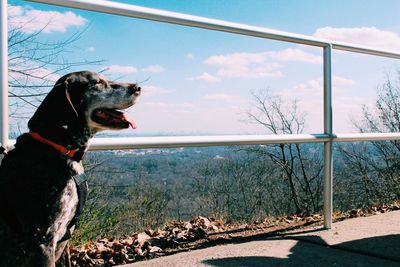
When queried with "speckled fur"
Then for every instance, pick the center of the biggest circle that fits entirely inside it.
(38, 194)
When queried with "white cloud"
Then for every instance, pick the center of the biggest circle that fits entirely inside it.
(121, 69)
(314, 87)
(295, 54)
(14, 11)
(341, 81)
(224, 98)
(151, 90)
(239, 59)
(34, 74)
(251, 71)
(45, 73)
(204, 77)
(153, 69)
(189, 56)
(258, 65)
(127, 69)
(168, 109)
(91, 49)
(309, 88)
(366, 36)
(170, 105)
(29, 20)
(244, 65)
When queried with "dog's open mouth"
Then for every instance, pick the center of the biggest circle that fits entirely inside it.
(113, 118)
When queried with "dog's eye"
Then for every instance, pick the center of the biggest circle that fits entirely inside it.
(101, 83)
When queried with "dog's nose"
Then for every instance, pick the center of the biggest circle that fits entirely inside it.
(134, 89)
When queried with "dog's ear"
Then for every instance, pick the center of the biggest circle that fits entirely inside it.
(58, 109)
(74, 94)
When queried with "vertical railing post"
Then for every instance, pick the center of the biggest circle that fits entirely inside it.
(328, 155)
(3, 74)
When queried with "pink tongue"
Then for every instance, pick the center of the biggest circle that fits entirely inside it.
(129, 119)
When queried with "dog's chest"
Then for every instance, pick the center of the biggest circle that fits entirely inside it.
(68, 204)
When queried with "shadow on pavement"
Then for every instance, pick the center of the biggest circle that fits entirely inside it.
(314, 251)
(245, 261)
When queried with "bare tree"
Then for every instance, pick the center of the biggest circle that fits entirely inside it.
(377, 164)
(300, 166)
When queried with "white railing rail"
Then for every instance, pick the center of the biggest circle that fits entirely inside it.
(127, 10)
(229, 140)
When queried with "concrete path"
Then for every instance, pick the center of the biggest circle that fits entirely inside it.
(371, 241)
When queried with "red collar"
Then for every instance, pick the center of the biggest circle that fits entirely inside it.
(69, 152)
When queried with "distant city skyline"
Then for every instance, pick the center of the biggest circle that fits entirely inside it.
(199, 81)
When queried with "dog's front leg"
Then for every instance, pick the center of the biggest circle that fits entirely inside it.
(63, 257)
(47, 255)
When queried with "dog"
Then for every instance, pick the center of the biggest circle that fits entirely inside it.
(40, 195)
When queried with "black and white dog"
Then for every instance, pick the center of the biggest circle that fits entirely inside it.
(39, 192)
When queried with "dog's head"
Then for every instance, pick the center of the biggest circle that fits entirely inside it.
(85, 103)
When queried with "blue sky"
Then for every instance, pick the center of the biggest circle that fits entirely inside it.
(198, 81)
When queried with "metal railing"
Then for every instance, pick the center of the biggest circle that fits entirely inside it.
(127, 10)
